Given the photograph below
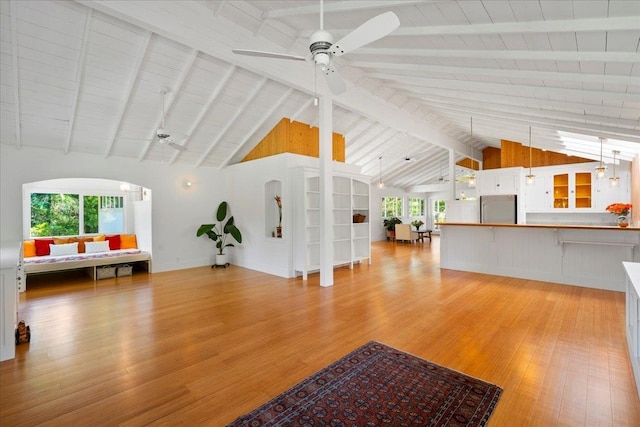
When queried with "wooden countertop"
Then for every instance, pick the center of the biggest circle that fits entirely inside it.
(547, 226)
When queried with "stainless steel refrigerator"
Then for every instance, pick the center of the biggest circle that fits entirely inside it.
(501, 209)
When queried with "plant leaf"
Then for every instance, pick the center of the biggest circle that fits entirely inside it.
(222, 211)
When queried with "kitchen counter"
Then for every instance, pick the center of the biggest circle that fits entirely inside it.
(547, 226)
(580, 255)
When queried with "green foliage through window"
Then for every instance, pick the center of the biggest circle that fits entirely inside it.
(439, 213)
(391, 206)
(416, 206)
(66, 214)
(54, 214)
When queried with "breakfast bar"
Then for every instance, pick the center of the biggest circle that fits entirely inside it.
(589, 256)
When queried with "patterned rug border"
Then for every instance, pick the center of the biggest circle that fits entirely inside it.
(322, 383)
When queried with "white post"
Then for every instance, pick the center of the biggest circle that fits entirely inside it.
(326, 191)
(452, 174)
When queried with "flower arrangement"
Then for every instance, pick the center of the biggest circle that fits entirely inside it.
(619, 208)
(278, 200)
(417, 223)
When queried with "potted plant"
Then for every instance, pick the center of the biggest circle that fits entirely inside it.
(390, 225)
(219, 233)
(417, 224)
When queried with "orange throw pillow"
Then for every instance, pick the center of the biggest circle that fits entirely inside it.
(29, 248)
(99, 238)
(128, 241)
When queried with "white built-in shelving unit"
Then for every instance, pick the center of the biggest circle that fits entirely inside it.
(351, 241)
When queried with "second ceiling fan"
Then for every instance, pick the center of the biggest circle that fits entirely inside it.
(322, 48)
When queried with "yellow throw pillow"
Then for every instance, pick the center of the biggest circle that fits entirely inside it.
(61, 241)
(128, 241)
(99, 238)
(29, 248)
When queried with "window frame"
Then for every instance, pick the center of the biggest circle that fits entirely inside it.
(396, 212)
(81, 195)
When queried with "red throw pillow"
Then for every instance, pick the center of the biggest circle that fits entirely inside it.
(42, 246)
(114, 242)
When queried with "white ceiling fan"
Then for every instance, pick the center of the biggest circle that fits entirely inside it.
(164, 136)
(323, 50)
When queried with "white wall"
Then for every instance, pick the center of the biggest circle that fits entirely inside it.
(177, 211)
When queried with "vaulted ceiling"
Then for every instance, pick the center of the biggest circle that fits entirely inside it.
(85, 76)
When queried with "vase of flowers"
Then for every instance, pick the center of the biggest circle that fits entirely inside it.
(622, 211)
(417, 224)
(278, 200)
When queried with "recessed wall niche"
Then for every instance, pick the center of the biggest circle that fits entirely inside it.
(272, 213)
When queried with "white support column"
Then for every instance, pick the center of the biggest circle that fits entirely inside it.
(452, 174)
(326, 191)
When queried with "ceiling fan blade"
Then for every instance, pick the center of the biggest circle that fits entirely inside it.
(268, 54)
(370, 31)
(334, 81)
(176, 146)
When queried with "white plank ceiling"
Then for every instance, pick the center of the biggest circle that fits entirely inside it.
(85, 76)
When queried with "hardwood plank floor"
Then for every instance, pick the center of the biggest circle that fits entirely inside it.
(203, 346)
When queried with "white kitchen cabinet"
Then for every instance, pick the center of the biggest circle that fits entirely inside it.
(463, 211)
(604, 194)
(351, 240)
(538, 197)
(574, 188)
(499, 181)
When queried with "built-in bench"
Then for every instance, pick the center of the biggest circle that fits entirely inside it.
(89, 262)
(81, 253)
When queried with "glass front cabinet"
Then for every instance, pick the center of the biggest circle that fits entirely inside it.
(572, 190)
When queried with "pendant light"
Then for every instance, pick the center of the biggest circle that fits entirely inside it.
(380, 183)
(472, 178)
(602, 169)
(614, 180)
(531, 178)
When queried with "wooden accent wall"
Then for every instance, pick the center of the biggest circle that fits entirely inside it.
(491, 158)
(297, 138)
(469, 164)
(512, 154)
(516, 154)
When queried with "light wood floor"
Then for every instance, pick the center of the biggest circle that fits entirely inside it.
(203, 346)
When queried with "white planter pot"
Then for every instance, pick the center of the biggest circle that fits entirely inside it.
(221, 259)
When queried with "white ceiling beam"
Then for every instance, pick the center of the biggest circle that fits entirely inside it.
(216, 36)
(259, 123)
(205, 109)
(371, 145)
(230, 122)
(373, 131)
(473, 72)
(508, 89)
(357, 131)
(626, 23)
(82, 54)
(299, 111)
(517, 100)
(342, 6)
(168, 103)
(16, 71)
(142, 52)
(533, 111)
(514, 55)
(609, 132)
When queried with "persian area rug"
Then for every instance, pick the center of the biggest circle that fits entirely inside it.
(376, 385)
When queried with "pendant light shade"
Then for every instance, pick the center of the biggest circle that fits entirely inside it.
(602, 169)
(380, 183)
(614, 180)
(531, 178)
